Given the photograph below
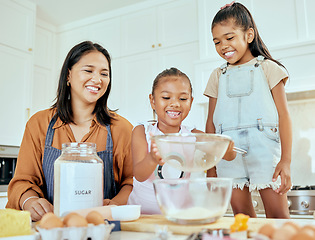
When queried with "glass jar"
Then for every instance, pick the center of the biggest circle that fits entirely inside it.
(78, 178)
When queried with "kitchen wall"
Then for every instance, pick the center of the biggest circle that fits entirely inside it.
(302, 108)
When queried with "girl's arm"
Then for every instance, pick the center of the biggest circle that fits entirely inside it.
(144, 162)
(211, 129)
(285, 131)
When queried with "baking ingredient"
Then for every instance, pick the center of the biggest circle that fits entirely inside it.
(76, 220)
(284, 233)
(240, 223)
(50, 220)
(194, 213)
(288, 231)
(95, 218)
(267, 230)
(68, 216)
(304, 234)
(14, 222)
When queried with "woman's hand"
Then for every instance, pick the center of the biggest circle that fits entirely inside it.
(109, 202)
(230, 154)
(38, 207)
(283, 170)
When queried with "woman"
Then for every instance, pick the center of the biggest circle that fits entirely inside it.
(80, 114)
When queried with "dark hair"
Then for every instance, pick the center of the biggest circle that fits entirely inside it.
(172, 72)
(63, 103)
(243, 18)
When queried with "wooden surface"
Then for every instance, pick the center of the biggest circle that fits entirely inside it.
(150, 223)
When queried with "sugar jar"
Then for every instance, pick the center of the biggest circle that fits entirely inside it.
(78, 178)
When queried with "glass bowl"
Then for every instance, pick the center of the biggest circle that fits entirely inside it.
(192, 152)
(193, 201)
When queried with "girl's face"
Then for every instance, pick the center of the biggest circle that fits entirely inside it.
(232, 43)
(89, 78)
(172, 102)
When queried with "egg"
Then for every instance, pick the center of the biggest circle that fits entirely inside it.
(50, 220)
(69, 215)
(304, 234)
(284, 233)
(290, 223)
(267, 230)
(95, 218)
(76, 220)
(311, 227)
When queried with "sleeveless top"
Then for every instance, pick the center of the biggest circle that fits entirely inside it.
(143, 192)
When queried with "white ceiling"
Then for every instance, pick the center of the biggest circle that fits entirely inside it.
(59, 12)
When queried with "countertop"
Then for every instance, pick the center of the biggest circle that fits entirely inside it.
(135, 234)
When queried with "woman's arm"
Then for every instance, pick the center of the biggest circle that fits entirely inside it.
(285, 131)
(144, 162)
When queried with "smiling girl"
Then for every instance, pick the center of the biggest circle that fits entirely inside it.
(247, 101)
(171, 99)
(80, 114)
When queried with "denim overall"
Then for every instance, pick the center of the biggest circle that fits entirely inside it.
(246, 112)
(51, 154)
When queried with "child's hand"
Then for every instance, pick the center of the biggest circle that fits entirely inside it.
(212, 172)
(230, 154)
(155, 152)
(283, 170)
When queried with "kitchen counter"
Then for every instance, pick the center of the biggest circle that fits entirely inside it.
(145, 227)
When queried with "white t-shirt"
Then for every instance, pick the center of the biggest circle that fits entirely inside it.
(273, 72)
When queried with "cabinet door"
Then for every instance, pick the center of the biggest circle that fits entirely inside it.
(107, 33)
(67, 40)
(17, 25)
(183, 57)
(135, 83)
(138, 32)
(43, 90)
(16, 74)
(177, 23)
(43, 51)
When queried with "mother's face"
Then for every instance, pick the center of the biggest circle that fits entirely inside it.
(89, 78)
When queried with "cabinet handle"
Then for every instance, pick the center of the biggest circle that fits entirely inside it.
(30, 49)
(153, 46)
(28, 112)
(160, 45)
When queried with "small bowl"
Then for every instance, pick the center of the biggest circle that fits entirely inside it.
(126, 212)
(193, 201)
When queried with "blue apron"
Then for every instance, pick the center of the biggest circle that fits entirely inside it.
(51, 154)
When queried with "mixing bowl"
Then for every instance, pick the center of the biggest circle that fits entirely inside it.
(192, 152)
(193, 201)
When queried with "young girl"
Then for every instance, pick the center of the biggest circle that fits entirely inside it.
(171, 99)
(247, 101)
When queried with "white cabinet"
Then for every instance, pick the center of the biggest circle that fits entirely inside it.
(17, 24)
(16, 74)
(44, 84)
(171, 24)
(16, 66)
(107, 34)
(131, 88)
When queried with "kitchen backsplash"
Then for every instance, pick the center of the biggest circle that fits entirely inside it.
(302, 109)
